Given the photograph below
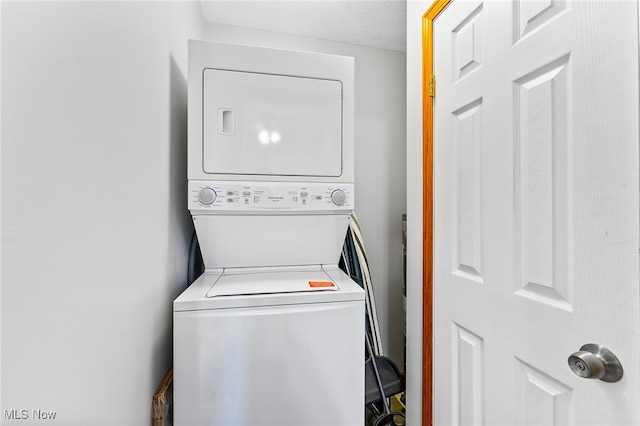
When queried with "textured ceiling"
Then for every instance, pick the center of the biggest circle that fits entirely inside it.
(372, 23)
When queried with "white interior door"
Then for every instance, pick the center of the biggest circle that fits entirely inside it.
(536, 201)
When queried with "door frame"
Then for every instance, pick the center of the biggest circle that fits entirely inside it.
(427, 208)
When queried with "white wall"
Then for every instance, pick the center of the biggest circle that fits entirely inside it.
(95, 229)
(379, 160)
(415, 10)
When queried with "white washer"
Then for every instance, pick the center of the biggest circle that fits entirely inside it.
(270, 347)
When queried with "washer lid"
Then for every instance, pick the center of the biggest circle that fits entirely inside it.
(276, 282)
(234, 291)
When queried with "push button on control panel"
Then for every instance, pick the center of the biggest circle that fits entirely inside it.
(207, 196)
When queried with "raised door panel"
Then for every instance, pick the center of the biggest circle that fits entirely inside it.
(543, 170)
(467, 178)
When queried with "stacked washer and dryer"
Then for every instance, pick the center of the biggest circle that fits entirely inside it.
(273, 332)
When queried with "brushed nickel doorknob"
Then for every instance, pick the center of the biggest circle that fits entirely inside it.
(594, 361)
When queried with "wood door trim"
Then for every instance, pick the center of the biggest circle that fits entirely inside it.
(427, 210)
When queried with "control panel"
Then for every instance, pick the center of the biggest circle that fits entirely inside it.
(216, 196)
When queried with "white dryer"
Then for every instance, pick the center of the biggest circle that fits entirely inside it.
(273, 332)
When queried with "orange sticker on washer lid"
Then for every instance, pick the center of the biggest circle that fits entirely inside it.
(315, 284)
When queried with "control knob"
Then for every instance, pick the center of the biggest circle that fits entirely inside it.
(207, 196)
(339, 197)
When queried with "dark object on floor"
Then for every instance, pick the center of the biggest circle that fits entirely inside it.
(382, 380)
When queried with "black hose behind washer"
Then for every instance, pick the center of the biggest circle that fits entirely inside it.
(195, 266)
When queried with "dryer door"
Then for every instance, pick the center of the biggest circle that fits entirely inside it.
(273, 125)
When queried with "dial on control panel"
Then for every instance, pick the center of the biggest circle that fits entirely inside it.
(339, 197)
(207, 196)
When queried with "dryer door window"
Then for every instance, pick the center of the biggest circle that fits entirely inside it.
(264, 124)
